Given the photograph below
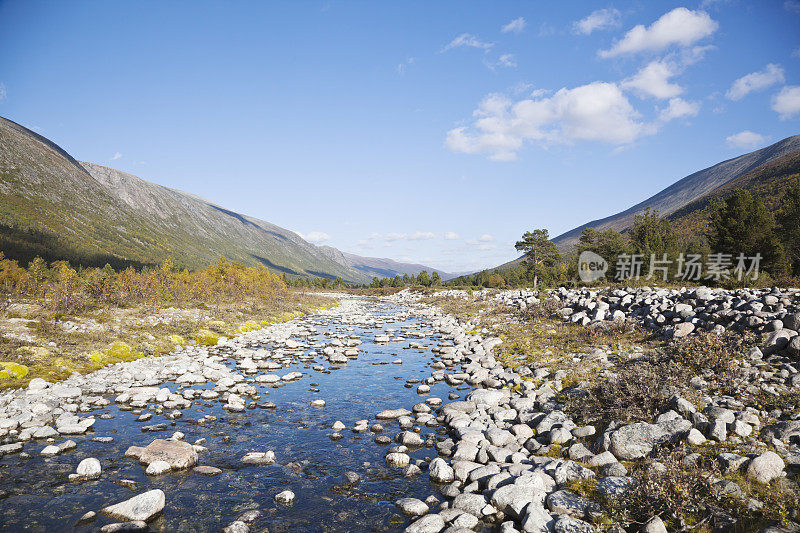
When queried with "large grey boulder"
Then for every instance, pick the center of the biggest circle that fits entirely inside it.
(177, 453)
(782, 430)
(636, 441)
(143, 507)
(765, 467)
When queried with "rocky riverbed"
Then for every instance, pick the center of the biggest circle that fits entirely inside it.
(379, 415)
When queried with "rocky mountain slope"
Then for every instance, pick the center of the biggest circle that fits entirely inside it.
(59, 208)
(379, 267)
(688, 189)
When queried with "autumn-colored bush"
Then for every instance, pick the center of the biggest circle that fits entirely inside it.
(65, 290)
(640, 390)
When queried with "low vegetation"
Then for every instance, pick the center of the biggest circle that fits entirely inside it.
(57, 319)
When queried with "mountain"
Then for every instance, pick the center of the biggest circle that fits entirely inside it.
(768, 182)
(765, 172)
(58, 208)
(380, 267)
(688, 189)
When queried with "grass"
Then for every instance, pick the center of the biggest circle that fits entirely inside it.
(56, 353)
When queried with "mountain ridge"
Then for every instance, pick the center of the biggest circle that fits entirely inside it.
(93, 210)
(686, 189)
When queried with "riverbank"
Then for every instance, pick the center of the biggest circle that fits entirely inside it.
(389, 413)
(35, 343)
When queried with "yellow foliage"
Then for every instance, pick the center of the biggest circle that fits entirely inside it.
(38, 353)
(206, 337)
(64, 364)
(13, 370)
(176, 339)
(121, 351)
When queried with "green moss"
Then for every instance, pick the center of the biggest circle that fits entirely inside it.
(206, 337)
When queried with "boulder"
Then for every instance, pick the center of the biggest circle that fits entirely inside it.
(765, 467)
(142, 507)
(636, 441)
(177, 454)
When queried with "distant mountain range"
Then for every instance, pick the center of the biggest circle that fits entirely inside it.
(765, 173)
(56, 207)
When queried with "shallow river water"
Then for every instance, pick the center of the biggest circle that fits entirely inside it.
(39, 497)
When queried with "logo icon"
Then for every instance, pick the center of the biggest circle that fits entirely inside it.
(591, 267)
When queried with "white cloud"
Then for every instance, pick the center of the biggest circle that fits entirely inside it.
(116, 156)
(486, 246)
(681, 26)
(486, 238)
(598, 111)
(787, 102)
(451, 236)
(755, 81)
(515, 26)
(653, 80)
(418, 236)
(316, 237)
(792, 5)
(745, 139)
(402, 67)
(468, 40)
(796, 53)
(679, 108)
(602, 19)
(507, 60)
(3, 92)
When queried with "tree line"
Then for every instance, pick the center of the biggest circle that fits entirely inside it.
(740, 225)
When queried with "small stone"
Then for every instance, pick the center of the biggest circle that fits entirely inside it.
(654, 525)
(207, 470)
(412, 506)
(259, 458)
(156, 468)
(89, 468)
(285, 497)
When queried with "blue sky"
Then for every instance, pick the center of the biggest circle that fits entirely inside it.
(428, 132)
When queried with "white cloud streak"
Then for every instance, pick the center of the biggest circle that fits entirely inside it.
(507, 60)
(787, 102)
(756, 81)
(515, 26)
(602, 19)
(679, 27)
(467, 40)
(679, 108)
(745, 140)
(116, 156)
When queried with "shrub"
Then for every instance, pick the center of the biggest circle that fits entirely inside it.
(679, 494)
(719, 354)
(542, 309)
(638, 392)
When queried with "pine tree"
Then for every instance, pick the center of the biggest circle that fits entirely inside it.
(741, 224)
(788, 219)
(539, 252)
